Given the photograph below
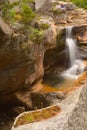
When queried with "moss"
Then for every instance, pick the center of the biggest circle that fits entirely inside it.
(38, 115)
(45, 26)
(25, 47)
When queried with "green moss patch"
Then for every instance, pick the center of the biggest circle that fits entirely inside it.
(39, 115)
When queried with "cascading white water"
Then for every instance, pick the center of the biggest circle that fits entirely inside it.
(71, 45)
(76, 64)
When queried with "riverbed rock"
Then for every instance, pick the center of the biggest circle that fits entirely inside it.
(72, 117)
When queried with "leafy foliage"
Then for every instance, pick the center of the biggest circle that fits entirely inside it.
(80, 3)
(25, 13)
(44, 26)
(36, 35)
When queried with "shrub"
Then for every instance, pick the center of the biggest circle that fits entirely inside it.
(80, 3)
(44, 26)
(36, 35)
(25, 13)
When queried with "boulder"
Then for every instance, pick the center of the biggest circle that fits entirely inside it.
(80, 34)
(42, 4)
(73, 115)
(21, 62)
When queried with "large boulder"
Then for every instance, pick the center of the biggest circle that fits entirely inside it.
(21, 61)
(72, 117)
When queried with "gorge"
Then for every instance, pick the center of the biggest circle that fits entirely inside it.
(43, 65)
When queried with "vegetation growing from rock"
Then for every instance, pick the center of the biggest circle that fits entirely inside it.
(36, 35)
(80, 3)
(18, 11)
(37, 115)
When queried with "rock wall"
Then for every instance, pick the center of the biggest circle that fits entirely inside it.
(21, 61)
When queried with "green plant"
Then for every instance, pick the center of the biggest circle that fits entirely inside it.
(26, 13)
(8, 12)
(45, 26)
(80, 3)
(30, 118)
(36, 35)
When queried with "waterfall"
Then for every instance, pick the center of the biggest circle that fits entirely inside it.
(76, 64)
(71, 46)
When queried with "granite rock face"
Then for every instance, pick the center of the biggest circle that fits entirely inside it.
(78, 118)
(72, 117)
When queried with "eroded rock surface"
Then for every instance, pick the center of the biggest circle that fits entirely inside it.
(72, 117)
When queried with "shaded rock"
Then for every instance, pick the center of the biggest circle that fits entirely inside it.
(54, 57)
(39, 101)
(18, 68)
(69, 6)
(5, 32)
(80, 33)
(21, 62)
(15, 111)
(59, 95)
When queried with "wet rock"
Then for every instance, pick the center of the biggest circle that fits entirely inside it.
(39, 101)
(15, 111)
(81, 34)
(59, 95)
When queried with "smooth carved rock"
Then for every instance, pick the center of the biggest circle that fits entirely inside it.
(21, 62)
(72, 117)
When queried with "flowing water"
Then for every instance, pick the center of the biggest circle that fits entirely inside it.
(76, 64)
(66, 79)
